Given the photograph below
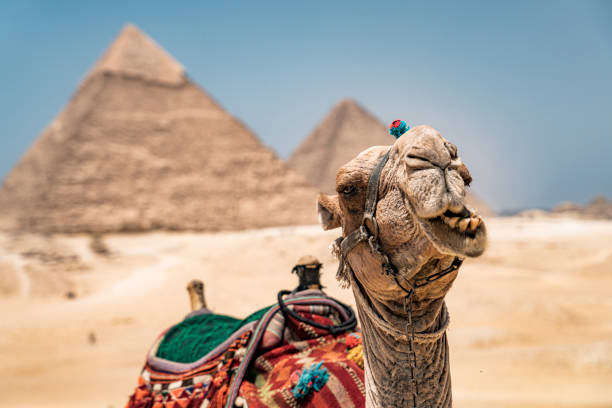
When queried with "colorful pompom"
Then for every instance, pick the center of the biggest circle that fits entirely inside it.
(398, 128)
(310, 380)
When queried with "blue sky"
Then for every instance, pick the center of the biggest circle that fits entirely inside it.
(523, 88)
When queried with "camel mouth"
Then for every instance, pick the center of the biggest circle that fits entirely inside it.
(465, 221)
(460, 233)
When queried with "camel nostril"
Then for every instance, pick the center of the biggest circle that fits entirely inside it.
(465, 174)
(452, 149)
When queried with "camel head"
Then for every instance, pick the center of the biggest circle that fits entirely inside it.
(421, 214)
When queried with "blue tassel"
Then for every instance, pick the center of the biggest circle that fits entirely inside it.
(398, 128)
(311, 379)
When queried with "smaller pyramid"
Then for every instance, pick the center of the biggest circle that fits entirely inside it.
(346, 131)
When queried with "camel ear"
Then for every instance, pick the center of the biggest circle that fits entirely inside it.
(328, 208)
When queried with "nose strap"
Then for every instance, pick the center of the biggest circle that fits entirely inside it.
(353, 239)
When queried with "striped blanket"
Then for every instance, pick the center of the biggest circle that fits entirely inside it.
(275, 361)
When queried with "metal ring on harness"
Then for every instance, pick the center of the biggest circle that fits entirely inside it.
(372, 219)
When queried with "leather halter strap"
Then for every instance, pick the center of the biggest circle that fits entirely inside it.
(363, 232)
(369, 233)
(372, 192)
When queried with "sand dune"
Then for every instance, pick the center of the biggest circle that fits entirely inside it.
(530, 320)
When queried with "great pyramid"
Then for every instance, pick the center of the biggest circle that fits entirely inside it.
(347, 130)
(140, 147)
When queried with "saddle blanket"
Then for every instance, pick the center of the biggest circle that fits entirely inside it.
(271, 359)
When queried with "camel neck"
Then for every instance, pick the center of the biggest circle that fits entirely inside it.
(387, 352)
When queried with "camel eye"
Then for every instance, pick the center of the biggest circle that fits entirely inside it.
(348, 190)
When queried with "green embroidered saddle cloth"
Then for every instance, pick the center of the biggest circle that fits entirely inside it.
(196, 336)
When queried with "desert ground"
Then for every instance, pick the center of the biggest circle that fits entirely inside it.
(531, 320)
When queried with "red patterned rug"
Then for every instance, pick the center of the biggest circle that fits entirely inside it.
(297, 359)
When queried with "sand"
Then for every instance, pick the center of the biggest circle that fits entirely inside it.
(530, 320)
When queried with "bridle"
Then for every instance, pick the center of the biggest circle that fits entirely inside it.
(368, 232)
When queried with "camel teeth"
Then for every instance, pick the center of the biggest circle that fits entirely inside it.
(452, 221)
(474, 223)
(463, 224)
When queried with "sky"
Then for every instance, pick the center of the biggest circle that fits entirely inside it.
(524, 88)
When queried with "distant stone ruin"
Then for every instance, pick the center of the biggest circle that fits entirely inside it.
(599, 208)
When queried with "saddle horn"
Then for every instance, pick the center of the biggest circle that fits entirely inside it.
(195, 288)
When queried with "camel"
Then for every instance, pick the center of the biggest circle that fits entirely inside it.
(405, 232)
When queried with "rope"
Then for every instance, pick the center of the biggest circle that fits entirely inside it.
(349, 324)
(397, 333)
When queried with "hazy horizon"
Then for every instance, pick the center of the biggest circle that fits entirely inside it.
(524, 89)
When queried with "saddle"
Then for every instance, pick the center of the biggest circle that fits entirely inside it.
(302, 351)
